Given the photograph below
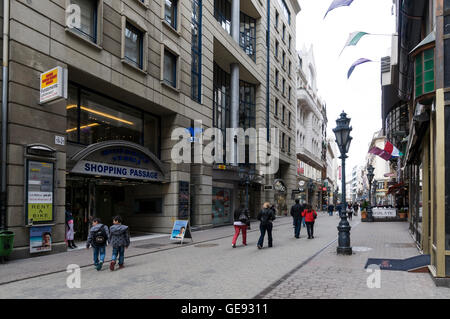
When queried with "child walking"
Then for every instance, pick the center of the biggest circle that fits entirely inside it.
(98, 238)
(120, 239)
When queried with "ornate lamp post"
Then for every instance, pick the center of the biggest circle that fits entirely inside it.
(375, 188)
(370, 177)
(247, 176)
(343, 140)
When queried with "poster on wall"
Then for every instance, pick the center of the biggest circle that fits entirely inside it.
(180, 231)
(40, 239)
(39, 192)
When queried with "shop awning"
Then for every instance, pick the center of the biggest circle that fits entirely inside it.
(396, 188)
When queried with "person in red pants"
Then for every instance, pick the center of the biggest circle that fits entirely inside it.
(241, 221)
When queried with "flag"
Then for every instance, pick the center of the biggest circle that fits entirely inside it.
(338, 3)
(381, 153)
(395, 152)
(353, 39)
(354, 65)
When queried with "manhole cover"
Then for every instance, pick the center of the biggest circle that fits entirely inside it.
(206, 245)
(148, 246)
(401, 245)
(361, 249)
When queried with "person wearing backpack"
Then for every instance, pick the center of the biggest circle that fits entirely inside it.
(241, 221)
(120, 239)
(310, 218)
(98, 238)
(296, 213)
(266, 216)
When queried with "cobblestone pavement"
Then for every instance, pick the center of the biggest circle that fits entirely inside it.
(344, 277)
(208, 268)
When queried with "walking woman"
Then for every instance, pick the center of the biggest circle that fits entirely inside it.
(266, 216)
(70, 234)
(310, 218)
(241, 222)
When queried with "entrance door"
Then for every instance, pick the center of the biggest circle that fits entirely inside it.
(77, 194)
(221, 206)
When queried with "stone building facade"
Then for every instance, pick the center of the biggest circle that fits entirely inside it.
(138, 70)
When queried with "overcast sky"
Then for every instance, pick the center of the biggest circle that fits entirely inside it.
(360, 96)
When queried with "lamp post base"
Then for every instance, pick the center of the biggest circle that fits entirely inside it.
(346, 251)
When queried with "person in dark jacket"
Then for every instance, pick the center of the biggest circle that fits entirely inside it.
(119, 239)
(331, 209)
(98, 238)
(241, 223)
(296, 213)
(266, 216)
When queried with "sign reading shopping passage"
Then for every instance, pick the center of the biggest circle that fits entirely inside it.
(40, 239)
(53, 85)
(39, 204)
(180, 230)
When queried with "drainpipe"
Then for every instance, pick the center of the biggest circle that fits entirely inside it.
(268, 73)
(6, 14)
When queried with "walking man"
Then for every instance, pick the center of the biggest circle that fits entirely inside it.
(296, 213)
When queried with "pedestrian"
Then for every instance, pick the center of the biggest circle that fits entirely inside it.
(296, 213)
(70, 233)
(330, 209)
(98, 238)
(120, 239)
(310, 218)
(241, 221)
(266, 216)
(350, 211)
(355, 209)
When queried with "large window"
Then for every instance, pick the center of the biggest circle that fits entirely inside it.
(397, 126)
(196, 50)
(248, 35)
(247, 105)
(425, 72)
(285, 10)
(222, 13)
(170, 68)
(134, 45)
(221, 99)
(93, 118)
(170, 13)
(88, 27)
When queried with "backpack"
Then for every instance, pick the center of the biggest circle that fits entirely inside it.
(243, 217)
(100, 237)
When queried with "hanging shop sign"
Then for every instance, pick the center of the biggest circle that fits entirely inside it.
(40, 239)
(53, 85)
(39, 188)
(279, 186)
(118, 171)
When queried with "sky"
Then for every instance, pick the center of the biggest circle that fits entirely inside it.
(360, 96)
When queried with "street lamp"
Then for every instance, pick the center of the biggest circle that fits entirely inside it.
(247, 176)
(375, 188)
(370, 177)
(343, 140)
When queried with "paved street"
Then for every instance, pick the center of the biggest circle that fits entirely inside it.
(211, 268)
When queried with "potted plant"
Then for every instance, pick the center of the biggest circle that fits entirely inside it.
(364, 210)
(402, 213)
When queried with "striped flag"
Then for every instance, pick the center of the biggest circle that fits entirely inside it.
(354, 65)
(395, 152)
(353, 39)
(389, 152)
(338, 3)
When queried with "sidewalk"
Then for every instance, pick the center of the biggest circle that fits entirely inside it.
(35, 267)
(331, 276)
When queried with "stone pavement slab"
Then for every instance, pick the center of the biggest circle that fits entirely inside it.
(331, 276)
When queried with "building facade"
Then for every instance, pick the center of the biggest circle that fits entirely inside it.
(311, 132)
(141, 76)
(416, 113)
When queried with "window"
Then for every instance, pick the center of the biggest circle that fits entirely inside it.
(94, 118)
(277, 45)
(290, 93)
(134, 39)
(289, 145)
(88, 27)
(247, 105)
(221, 100)
(276, 78)
(222, 13)
(196, 50)
(290, 118)
(285, 10)
(171, 11)
(290, 67)
(284, 33)
(284, 87)
(283, 115)
(170, 68)
(290, 41)
(283, 61)
(247, 31)
(283, 141)
(277, 18)
(425, 72)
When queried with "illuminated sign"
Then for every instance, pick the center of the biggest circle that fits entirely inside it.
(53, 85)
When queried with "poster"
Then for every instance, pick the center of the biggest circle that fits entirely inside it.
(40, 239)
(179, 230)
(39, 192)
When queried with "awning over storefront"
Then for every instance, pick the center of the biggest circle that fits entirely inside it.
(395, 189)
(118, 159)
